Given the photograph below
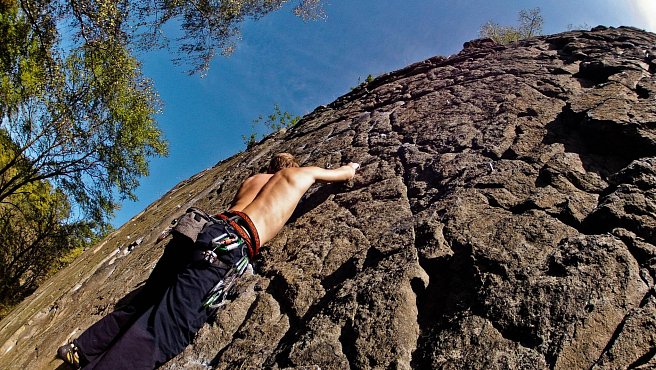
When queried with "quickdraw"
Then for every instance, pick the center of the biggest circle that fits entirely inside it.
(223, 243)
(235, 235)
(216, 297)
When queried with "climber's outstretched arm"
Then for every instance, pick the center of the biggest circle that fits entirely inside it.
(343, 173)
(275, 203)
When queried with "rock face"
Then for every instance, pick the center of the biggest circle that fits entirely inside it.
(504, 218)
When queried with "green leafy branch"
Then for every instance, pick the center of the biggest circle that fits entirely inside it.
(275, 121)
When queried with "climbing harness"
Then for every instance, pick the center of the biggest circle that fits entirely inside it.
(244, 226)
(222, 244)
(238, 231)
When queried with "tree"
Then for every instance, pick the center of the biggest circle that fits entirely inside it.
(35, 235)
(275, 121)
(530, 24)
(208, 27)
(36, 232)
(83, 119)
(73, 99)
(77, 116)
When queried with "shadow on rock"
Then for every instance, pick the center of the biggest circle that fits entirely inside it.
(452, 291)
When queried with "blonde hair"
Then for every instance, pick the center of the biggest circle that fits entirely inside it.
(280, 161)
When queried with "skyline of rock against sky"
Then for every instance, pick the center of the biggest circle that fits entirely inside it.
(301, 65)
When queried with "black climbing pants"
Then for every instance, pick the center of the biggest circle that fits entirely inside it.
(163, 318)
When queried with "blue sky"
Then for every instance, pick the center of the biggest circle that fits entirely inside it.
(299, 65)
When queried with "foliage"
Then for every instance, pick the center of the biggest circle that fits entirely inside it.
(73, 98)
(207, 27)
(36, 231)
(275, 121)
(580, 26)
(310, 10)
(77, 116)
(249, 140)
(530, 24)
(362, 83)
(83, 119)
(34, 239)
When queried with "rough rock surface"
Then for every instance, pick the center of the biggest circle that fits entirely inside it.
(504, 218)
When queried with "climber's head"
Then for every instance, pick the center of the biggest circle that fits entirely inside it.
(280, 161)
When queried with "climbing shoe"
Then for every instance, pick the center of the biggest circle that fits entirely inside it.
(68, 353)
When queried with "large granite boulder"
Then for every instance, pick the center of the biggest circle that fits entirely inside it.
(504, 218)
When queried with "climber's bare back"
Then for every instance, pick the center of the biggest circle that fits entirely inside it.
(248, 191)
(269, 200)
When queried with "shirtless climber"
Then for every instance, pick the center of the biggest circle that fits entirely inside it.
(162, 319)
